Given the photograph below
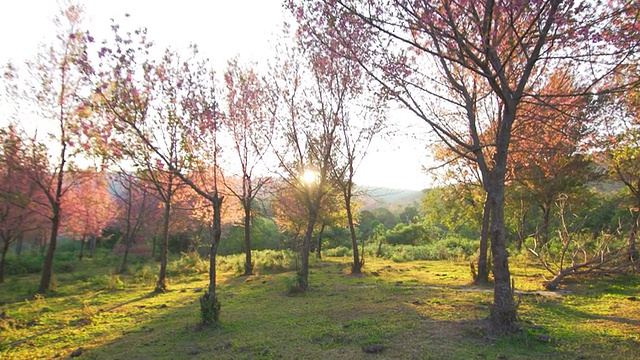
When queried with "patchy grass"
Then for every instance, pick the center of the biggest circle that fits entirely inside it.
(414, 310)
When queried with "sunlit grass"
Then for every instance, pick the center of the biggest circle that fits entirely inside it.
(416, 310)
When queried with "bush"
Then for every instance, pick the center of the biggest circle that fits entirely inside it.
(108, 282)
(24, 264)
(340, 251)
(275, 260)
(142, 274)
(293, 285)
(451, 248)
(187, 264)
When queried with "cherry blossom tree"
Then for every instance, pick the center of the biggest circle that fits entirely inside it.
(249, 123)
(307, 121)
(88, 208)
(135, 209)
(56, 86)
(431, 57)
(19, 197)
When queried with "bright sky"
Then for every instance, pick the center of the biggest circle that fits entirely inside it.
(221, 29)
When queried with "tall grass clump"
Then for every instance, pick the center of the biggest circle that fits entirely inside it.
(142, 274)
(275, 260)
(265, 261)
(187, 264)
(340, 251)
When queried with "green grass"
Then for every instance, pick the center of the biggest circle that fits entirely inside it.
(416, 310)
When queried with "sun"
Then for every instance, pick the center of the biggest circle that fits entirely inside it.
(310, 177)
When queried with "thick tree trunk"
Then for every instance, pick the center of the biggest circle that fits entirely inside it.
(503, 312)
(319, 242)
(248, 263)
(47, 268)
(209, 304)
(482, 277)
(303, 274)
(161, 284)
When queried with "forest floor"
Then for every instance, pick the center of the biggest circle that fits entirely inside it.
(414, 310)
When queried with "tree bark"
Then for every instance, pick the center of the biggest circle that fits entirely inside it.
(209, 304)
(19, 243)
(632, 250)
(356, 268)
(248, 263)
(546, 214)
(482, 277)
(47, 268)
(304, 249)
(319, 247)
(82, 247)
(161, 284)
(5, 249)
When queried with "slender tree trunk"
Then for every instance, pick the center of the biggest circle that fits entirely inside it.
(93, 242)
(482, 277)
(248, 263)
(153, 251)
(47, 268)
(356, 268)
(19, 243)
(82, 246)
(633, 251)
(123, 266)
(319, 247)
(161, 285)
(5, 249)
(546, 215)
(304, 249)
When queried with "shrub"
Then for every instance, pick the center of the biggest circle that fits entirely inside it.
(209, 309)
(451, 248)
(142, 274)
(275, 260)
(187, 264)
(340, 251)
(293, 284)
(108, 282)
(24, 264)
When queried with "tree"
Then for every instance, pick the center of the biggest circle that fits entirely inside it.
(134, 209)
(307, 120)
(19, 200)
(423, 53)
(249, 125)
(145, 108)
(88, 208)
(57, 87)
(184, 91)
(548, 159)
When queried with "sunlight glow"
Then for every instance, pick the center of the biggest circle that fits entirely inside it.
(310, 177)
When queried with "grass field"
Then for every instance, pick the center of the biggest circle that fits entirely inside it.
(414, 310)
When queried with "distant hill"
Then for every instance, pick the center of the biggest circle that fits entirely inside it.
(393, 199)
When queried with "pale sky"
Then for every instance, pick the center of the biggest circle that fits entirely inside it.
(221, 29)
